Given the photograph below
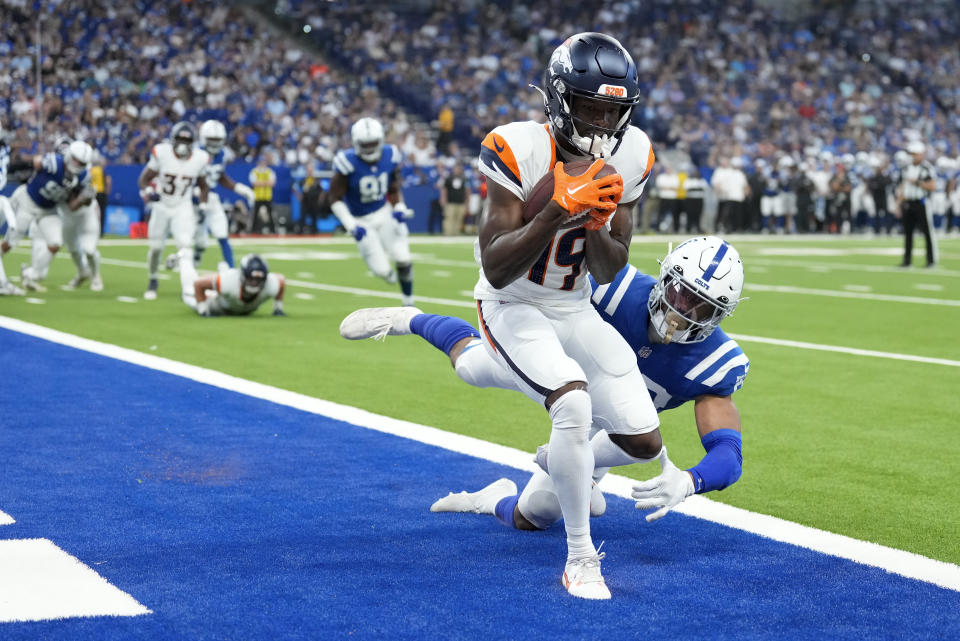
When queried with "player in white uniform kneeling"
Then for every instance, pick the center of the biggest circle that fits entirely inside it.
(234, 291)
(213, 219)
(175, 167)
(365, 197)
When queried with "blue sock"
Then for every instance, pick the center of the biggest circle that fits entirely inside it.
(226, 250)
(443, 332)
(504, 510)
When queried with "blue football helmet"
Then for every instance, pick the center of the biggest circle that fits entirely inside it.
(254, 270)
(591, 88)
(183, 136)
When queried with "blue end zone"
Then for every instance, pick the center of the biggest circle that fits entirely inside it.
(232, 517)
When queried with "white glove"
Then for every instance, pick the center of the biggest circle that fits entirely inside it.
(245, 192)
(666, 491)
(401, 210)
(203, 307)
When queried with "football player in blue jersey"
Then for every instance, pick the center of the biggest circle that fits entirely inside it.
(673, 325)
(35, 204)
(365, 197)
(213, 219)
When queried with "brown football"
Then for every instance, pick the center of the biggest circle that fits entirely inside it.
(542, 192)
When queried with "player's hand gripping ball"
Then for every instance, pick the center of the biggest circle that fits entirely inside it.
(587, 189)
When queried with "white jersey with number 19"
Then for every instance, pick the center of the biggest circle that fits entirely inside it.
(516, 156)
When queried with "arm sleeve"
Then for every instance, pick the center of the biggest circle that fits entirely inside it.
(723, 464)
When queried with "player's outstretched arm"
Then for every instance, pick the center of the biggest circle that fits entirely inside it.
(718, 422)
(200, 287)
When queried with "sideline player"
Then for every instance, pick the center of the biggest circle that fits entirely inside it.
(671, 324)
(166, 186)
(213, 220)
(366, 198)
(35, 206)
(232, 292)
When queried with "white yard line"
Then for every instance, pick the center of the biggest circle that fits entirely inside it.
(844, 350)
(890, 298)
(900, 562)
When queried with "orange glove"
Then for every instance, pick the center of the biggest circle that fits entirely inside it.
(598, 218)
(577, 194)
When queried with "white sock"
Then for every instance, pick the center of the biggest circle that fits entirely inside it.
(153, 261)
(571, 464)
(538, 501)
(93, 261)
(41, 261)
(608, 454)
(78, 261)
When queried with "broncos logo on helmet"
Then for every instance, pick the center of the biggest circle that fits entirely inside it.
(591, 88)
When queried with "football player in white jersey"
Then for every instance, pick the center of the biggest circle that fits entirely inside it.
(166, 185)
(213, 220)
(6, 214)
(233, 291)
(533, 294)
(672, 324)
(366, 198)
(81, 232)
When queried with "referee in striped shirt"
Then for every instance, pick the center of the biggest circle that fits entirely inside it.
(916, 182)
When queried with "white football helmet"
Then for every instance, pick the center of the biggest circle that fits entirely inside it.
(182, 136)
(902, 158)
(213, 135)
(78, 157)
(367, 136)
(700, 285)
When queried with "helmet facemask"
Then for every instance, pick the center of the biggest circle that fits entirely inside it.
(681, 313)
(597, 124)
(182, 145)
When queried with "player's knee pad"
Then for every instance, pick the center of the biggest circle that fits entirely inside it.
(538, 503)
(572, 411)
(405, 271)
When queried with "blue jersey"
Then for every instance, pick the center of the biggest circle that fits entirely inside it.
(4, 163)
(366, 182)
(675, 373)
(51, 184)
(218, 163)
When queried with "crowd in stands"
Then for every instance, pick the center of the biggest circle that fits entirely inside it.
(719, 79)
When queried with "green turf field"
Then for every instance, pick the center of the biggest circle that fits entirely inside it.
(859, 445)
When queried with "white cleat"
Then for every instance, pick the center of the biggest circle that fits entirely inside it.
(29, 283)
(222, 266)
(377, 322)
(9, 289)
(151, 293)
(481, 502)
(173, 262)
(96, 284)
(582, 578)
(77, 281)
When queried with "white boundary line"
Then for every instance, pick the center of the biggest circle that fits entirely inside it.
(844, 350)
(891, 298)
(907, 564)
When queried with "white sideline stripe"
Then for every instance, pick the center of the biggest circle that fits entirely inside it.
(6, 519)
(379, 293)
(41, 582)
(908, 564)
(845, 350)
(788, 289)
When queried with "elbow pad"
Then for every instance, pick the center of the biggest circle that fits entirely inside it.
(722, 465)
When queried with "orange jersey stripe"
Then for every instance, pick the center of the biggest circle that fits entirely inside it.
(498, 145)
(483, 326)
(218, 282)
(650, 160)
